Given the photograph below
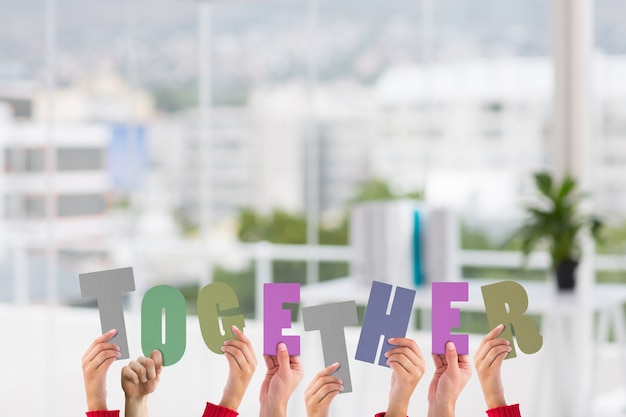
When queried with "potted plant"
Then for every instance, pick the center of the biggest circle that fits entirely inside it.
(556, 223)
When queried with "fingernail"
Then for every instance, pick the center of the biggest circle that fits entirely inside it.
(234, 328)
(282, 347)
(450, 346)
(335, 364)
(500, 325)
(341, 387)
(223, 349)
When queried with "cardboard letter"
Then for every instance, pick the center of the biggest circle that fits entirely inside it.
(276, 318)
(445, 318)
(164, 305)
(509, 293)
(108, 287)
(377, 322)
(330, 320)
(215, 299)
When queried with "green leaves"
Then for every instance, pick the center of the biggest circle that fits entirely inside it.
(555, 221)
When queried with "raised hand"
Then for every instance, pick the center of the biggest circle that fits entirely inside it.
(140, 378)
(321, 392)
(452, 371)
(96, 363)
(408, 366)
(488, 362)
(242, 364)
(283, 374)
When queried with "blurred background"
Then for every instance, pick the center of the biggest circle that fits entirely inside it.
(231, 141)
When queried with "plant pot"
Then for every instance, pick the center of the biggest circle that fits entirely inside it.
(566, 275)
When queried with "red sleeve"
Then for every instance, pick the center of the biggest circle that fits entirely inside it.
(212, 410)
(505, 411)
(381, 414)
(103, 413)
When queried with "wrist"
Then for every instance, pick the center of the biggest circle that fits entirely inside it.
(274, 410)
(442, 408)
(396, 411)
(96, 405)
(136, 401)
(495, 401)
(230, 402)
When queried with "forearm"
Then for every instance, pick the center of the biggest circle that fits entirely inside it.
(231, 400)
(96, 400)
(398, 406)
(273, 410)
(495, 401)
(136, 407)
(441, 409)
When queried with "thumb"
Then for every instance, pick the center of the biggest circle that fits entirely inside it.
(282, 356)
(157, 357)
(452, 357)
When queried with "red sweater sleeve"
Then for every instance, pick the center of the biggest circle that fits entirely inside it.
(103, 413)
(212, 410)
(505, 411)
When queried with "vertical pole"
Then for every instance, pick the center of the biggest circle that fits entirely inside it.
(51, 206)
(574, 153)
(204, 133)
(263, 275)
(312, 147)
(131, 169)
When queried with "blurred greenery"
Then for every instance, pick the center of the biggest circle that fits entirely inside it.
(282, 227)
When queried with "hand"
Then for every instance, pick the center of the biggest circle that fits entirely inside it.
(408, 366)
(139, 379)
(488, 361)
(451, 374)
(321, 392)
(241, 363)
(284, 372)
(96, 362)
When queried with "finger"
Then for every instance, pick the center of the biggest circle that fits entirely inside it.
(148, 365)
(283, 356)
(157, 357)
(408, 344)
(270, 361)
(493, 333)
(496, 355)
(248, 351)
(96, 349)
(235, 357)
(104, 359)
(319, 382)
(244, 356)
(316, 381)
(327, 391)
(452, 357)
(402, 364)
(439, 360)
(105, 337)
(139, 370)
(406, 352)
(130, 375)
(485, 349)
